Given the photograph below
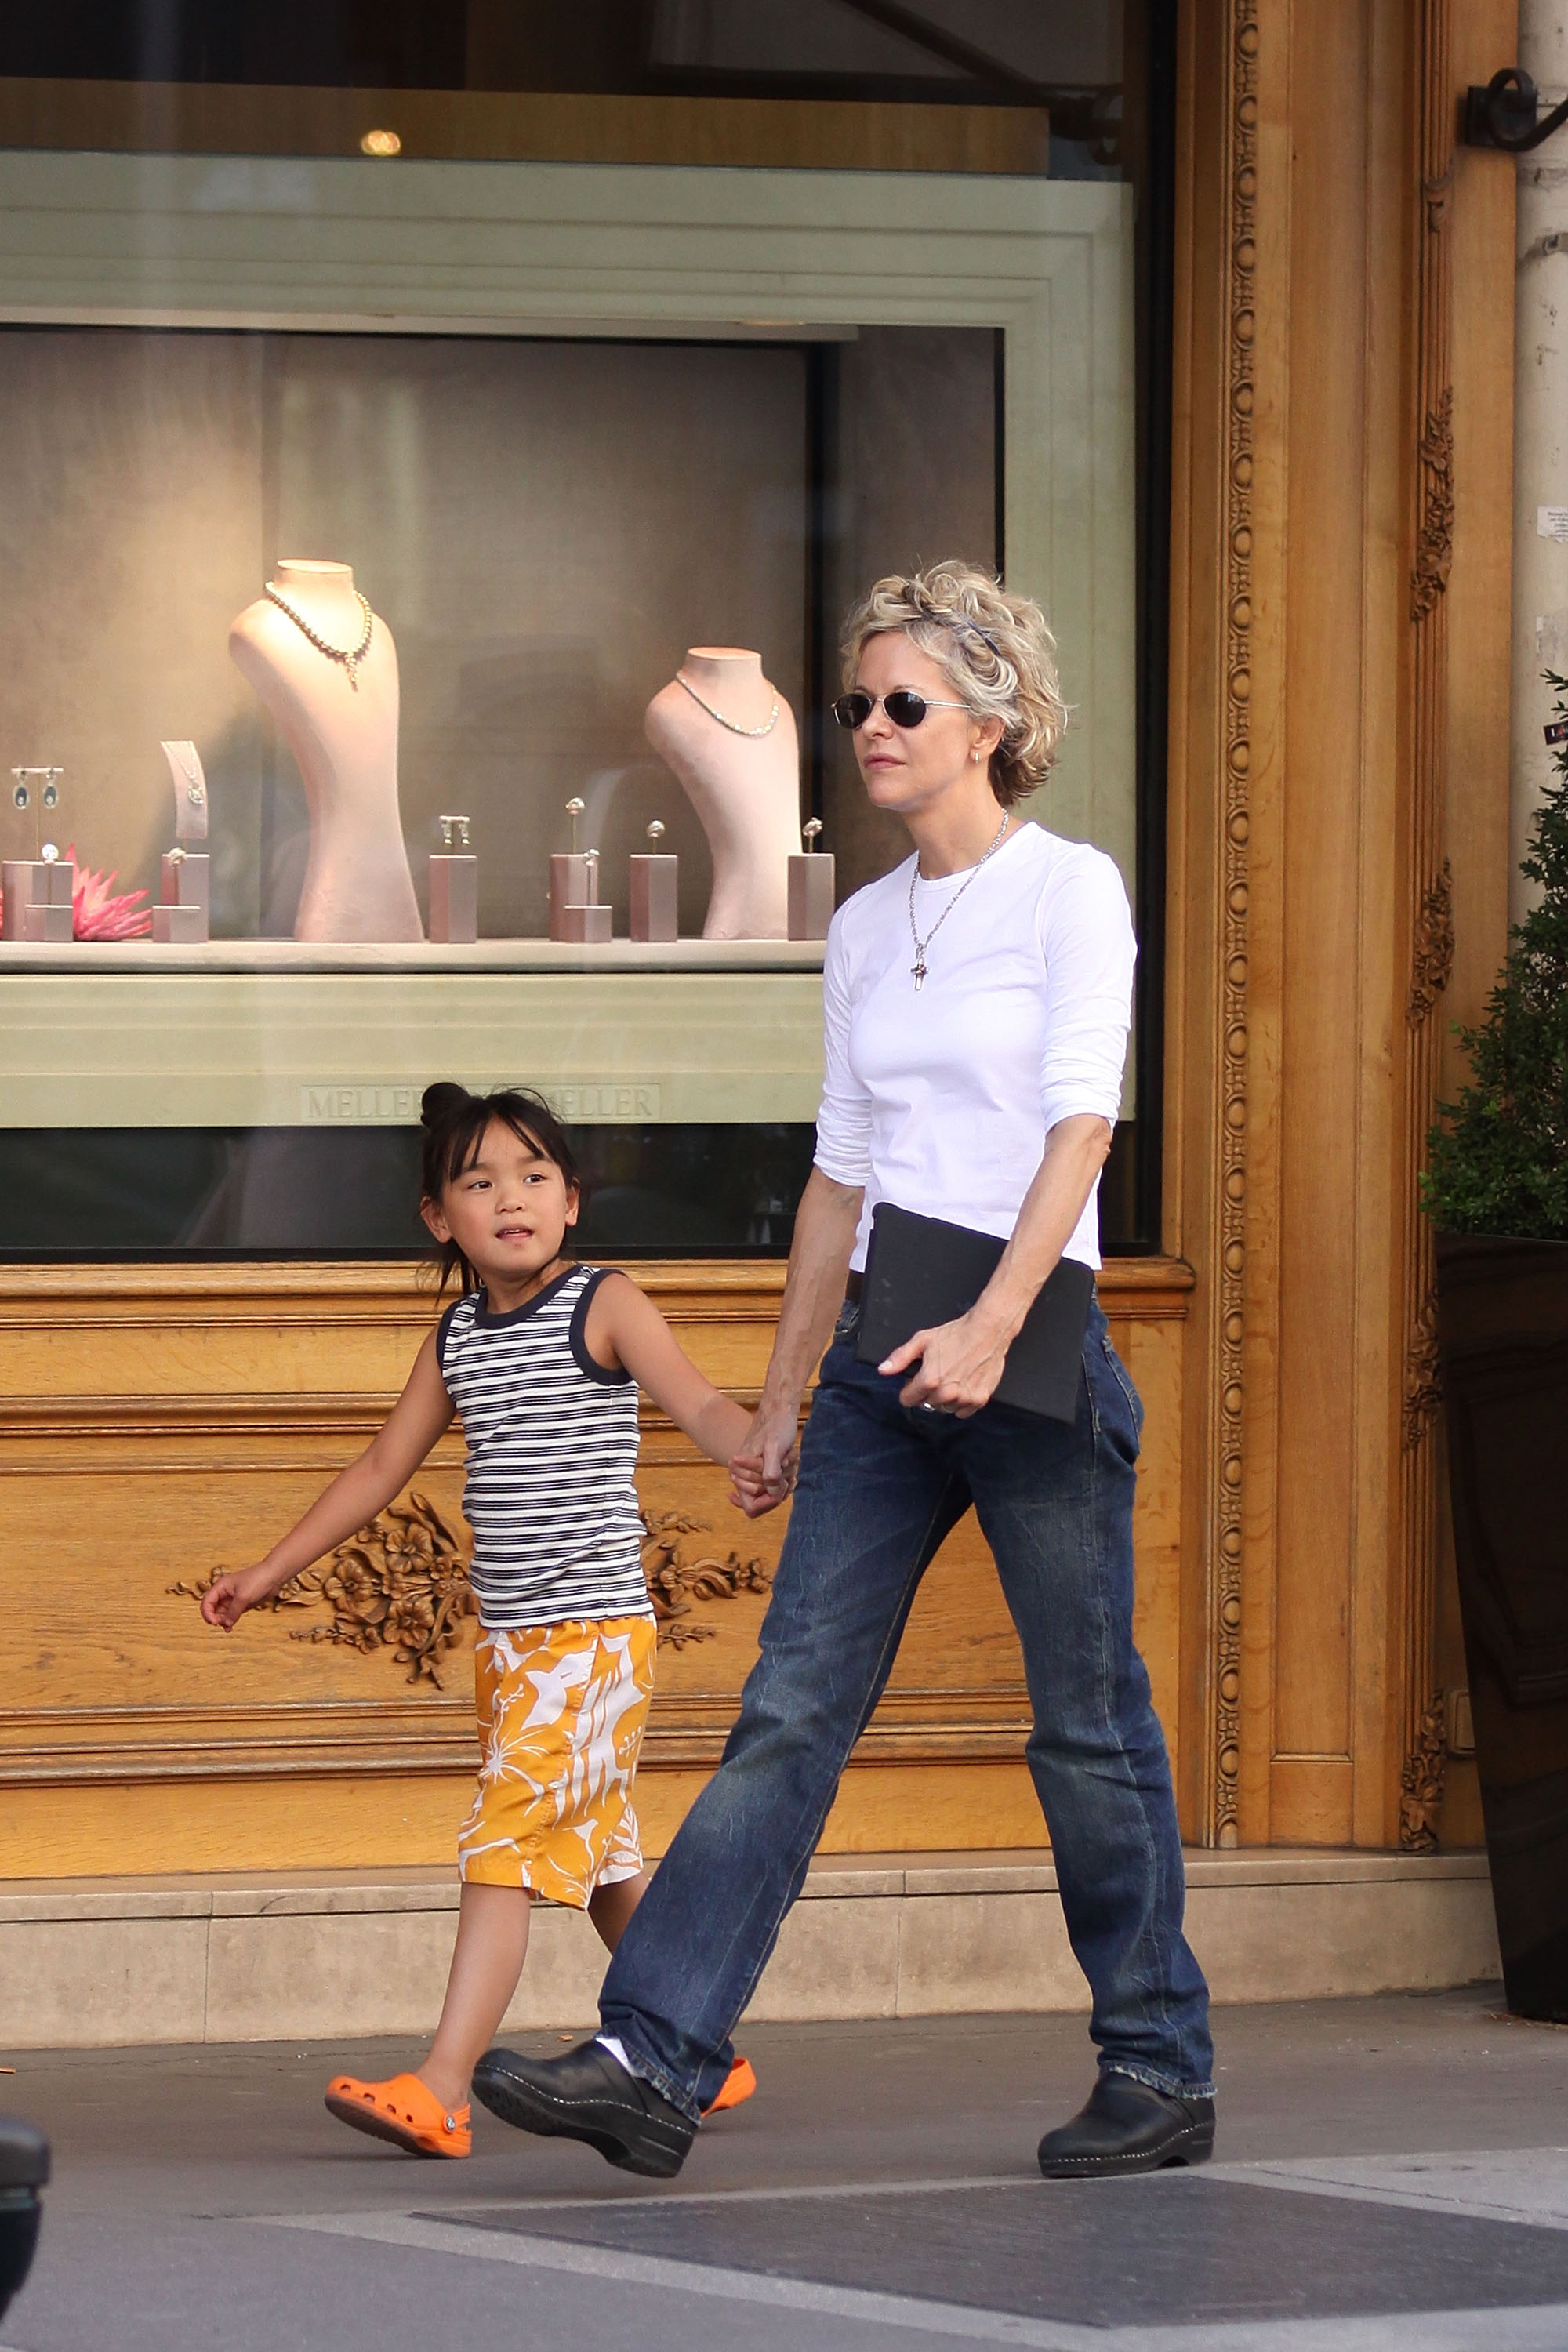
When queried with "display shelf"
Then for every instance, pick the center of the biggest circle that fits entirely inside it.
(613, 1036)
(90, 957)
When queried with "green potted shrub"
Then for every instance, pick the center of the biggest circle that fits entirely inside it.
(1495, 1187)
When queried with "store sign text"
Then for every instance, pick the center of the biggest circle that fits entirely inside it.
(597, 1101)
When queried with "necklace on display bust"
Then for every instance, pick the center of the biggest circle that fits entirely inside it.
(191, 774)
(351, 656)
(734, 726)
(918, 969)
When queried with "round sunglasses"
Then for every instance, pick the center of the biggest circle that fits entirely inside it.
(903, 706)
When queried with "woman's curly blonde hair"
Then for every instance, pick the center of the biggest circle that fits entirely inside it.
(993, 647)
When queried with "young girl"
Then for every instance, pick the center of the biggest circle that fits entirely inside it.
(542, 1358)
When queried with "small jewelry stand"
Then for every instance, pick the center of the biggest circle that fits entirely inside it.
(655, 891)
(183, 916)
(575, 914)
(454, 888)
(811, 888)
(37, 891)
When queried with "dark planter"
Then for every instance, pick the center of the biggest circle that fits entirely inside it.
(23, 2168)
(1503, 1329)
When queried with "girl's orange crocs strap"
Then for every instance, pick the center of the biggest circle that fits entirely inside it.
(737, 2088)
(403, 2111)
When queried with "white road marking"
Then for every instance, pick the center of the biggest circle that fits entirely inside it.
(828, 2189)
(1529, 2328)
(1527, 2186)
(705, 2279)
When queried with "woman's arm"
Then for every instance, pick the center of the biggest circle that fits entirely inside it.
(960, 1363)
(1084, 929)
(418, 1418)
(824, 1228)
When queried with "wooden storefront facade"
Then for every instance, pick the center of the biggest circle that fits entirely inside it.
(1336, 896)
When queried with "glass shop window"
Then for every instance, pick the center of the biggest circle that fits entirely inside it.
(389, 698)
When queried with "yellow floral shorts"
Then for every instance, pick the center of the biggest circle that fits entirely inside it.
(561, 1710)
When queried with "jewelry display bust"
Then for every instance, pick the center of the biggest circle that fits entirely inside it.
(326, 668)
(729, 738)
(189, 779)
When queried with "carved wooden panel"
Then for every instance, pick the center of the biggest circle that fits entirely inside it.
(1337, 488)
(340, 1730)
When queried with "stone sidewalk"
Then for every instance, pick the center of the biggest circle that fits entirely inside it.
(1391, 2174)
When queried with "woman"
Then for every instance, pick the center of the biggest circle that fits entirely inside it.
(976, 1005)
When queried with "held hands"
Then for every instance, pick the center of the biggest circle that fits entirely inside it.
(226, 1603)
(957, 1364)
(763, 1471)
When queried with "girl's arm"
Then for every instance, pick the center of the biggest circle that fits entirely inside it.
(626, 1331)
(354, 1498)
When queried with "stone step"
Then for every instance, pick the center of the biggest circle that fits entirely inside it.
(317, 1955)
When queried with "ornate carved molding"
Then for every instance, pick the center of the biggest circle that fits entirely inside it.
(401, 1584)
(674, 1582)
(359, 1738)
(1423, 1381)
(1421, 1782)
(1427, 879)
(1241, 211)
(1432, 959)
(1434, 539)
(1440, 194)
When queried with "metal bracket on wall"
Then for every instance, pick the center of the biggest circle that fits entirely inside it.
(1504, 113)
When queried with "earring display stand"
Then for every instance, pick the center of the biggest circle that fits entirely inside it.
(655, 891)
(812, 888)
(183, 916)
(38, 900)
(36, 892)
(570, 879)
(454, 888)
(576, 917)
(588, 926)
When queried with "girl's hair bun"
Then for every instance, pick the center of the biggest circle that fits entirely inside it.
(441, 1102)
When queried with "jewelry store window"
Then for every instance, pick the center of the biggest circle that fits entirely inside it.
(423, 562)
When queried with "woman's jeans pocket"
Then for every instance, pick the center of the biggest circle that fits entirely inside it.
(1123, 1396)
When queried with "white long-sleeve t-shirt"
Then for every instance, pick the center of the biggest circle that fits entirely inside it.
(941, 1101)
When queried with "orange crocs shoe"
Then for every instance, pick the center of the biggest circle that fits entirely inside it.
(403, 2111)
(737, 2088)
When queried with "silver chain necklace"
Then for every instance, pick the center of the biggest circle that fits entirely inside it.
(734, 726)
(918, 969)
(193, 775)
(351, 656)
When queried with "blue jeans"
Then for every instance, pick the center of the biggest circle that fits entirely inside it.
(879, 1488)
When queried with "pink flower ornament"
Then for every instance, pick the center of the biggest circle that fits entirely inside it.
(100, 912)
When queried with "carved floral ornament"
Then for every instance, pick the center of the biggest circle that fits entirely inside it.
(1421, 1782)
(1432, 963)
(1435, 541)
(401, 1584)
(1422, 1377)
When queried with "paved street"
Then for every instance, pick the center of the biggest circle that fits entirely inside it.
(1392, 2173)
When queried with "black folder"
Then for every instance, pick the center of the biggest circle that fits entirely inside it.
(921, 1271)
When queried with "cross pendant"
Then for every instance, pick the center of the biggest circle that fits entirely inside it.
(918, 970)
